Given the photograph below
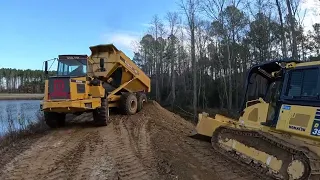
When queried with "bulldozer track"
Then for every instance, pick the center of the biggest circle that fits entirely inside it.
(259, 169)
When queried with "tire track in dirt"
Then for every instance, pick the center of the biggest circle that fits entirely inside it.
(61, 155)
(138, 127)
(67, 166)
(128, 164)
(11, 151)
(35, 162)
(96, 162)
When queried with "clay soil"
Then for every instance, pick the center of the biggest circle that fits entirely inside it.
(152, 144)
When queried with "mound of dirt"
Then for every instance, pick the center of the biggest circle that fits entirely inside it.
(152, 144)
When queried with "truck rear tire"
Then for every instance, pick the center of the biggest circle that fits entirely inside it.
(54, 119)
(129, 103)
(142, 98)
(101, 115)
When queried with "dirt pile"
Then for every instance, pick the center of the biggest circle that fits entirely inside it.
(152, 144)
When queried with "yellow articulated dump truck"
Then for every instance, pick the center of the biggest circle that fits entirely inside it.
(277, 133)
(107, 78)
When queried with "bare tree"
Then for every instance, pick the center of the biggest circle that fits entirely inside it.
(157, 30)
(213, 7)
(174, 21)
(210, 61)
(292, 29)
(191, 8)
(283, 37)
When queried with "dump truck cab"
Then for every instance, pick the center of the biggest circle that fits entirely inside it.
(107, 78)
(68, 91)
(72, 65)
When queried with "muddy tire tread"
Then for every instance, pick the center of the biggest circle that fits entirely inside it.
(140, 97)
(100, 115)
(54, 119)
(125, 103)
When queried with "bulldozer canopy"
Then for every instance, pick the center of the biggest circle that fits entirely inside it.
(258, 84)
(265, 69)
(268, 67)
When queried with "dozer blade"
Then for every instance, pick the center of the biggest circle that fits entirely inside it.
(206, 126)
(195, 135)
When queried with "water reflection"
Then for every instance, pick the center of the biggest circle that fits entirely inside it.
(17, 114)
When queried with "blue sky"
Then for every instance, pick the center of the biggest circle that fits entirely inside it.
(36, 30)
(32, 31)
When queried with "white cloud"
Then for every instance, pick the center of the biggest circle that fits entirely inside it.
(312, 13)
(147, 25)
(123, 40)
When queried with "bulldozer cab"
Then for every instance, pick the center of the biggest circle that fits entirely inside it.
(263, 91)
(276, 86)
(259, 79)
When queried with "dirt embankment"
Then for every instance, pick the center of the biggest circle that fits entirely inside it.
(152, 144)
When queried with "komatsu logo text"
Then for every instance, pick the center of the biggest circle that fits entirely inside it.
(297, 128)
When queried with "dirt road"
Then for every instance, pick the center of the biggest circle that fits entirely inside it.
(152, 144)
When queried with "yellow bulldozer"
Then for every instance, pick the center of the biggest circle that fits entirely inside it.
(105, 79)
(277, 133)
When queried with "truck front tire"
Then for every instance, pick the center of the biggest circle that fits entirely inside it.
(101, 115)
(129, 103)
(54, 119)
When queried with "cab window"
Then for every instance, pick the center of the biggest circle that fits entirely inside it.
(303, 83)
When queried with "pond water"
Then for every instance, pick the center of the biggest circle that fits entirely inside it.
(17, 114)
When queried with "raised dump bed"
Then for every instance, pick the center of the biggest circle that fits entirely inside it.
(121, 73)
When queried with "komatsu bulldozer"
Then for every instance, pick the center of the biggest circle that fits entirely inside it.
(277, 134)
(105, 79)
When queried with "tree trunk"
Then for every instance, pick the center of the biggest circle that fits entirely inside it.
(199, 88)
(194, 71)
(283, 37)
(230, 80)
(157, 81)
(293, 32)
(173, 86)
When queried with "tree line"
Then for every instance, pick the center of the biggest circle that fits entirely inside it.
(198, 57)
(21, 81)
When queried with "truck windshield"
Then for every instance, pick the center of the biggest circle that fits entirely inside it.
(72, 67)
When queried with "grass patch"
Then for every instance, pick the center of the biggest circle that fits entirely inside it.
(26, 129)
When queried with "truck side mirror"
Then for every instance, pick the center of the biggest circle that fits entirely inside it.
(46, 67)
(102, 64)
